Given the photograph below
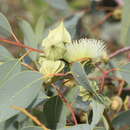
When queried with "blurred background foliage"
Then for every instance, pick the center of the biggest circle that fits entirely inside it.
(84, 18)
(101, 19)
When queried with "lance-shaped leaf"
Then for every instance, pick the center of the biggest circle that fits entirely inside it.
(29, 37)
(125, 72)
(54, 113)
(81, 77)
(126, 23)
(122, 119)
(5, 28)
(39, 29)
(20, 90)
(59, 4)
(8, 70)
(98, 110)
(5, 55)
(32, 128)
(78, 127)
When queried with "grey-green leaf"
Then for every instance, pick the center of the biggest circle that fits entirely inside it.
(5, 28)
(72, 22)
(98, 110)
(20, 90)
(122, 119)
(80, 75)
(39, 29)
(78, 127)
(31, 128)
(29, 36)
(126, 23)
(59, 4)
(125, 72)
(5, 55)
(54, 113)
(8, 70)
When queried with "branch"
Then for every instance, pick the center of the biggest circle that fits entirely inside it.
(66, 102)
(122, 50)
(24, 111)
(21, 45)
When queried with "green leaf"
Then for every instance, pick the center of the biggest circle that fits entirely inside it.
(72, 94)
(19, 90)
(39, 29)
(8, 70)
(125, 72)
(99, 128)
(58, 4)
(42, 97)
(54, 112)
(5, 55)
(31, 128)
(9, 124)
(29, 37)
(81, 77)
(5, 28)
(126, 23)
(72, 23)
(78, 127)
(122, 119)
(98, 110)
(2, 125)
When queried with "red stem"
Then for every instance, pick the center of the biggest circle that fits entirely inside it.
(20, 45)
(67, 103)
(125, 49)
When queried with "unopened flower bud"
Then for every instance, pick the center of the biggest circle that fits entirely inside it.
(116, 103)
(54, 44)
(49, 68)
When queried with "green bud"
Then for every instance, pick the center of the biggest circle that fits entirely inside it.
(54, 44)
(49, 68)
(55, 52)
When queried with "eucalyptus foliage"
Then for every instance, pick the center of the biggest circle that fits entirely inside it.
(58, 85)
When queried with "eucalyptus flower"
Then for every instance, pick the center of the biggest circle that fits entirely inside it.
(54, 44)
(49, 68)
(85, 48)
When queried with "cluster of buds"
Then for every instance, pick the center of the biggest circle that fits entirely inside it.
(58, 47)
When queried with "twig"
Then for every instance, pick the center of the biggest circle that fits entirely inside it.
(25, 54)
(57, 74)
(66, 102)
(102, 21)
(15, 37)
(20, 45)
(28, 66)
(102, 84)
(122, 50)
(121, 87)
(24, 111)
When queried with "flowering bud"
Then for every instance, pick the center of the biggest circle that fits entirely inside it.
(117, 13)
(55, 52)
(116, 103)
(49, 68)
(85, 48)
(54, 44)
